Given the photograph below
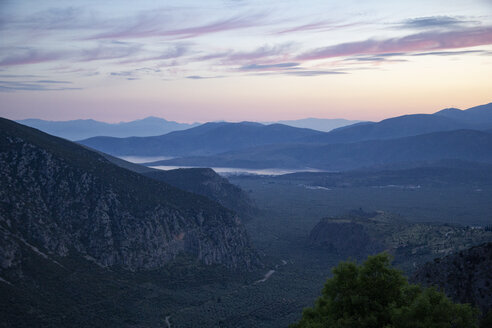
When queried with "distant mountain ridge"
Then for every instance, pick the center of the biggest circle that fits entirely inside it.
(83, 129)
(397, 127)
(478, 114)
(209, 138)
(319, 124)
(470, 145)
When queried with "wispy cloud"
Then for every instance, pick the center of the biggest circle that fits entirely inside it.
(67, 18)
(29, 56)
(172, 52)
(268, 67)
(430, 41)
(312, 73)
(450, 53)
(317, 26)
(53, 82)
(390, 57)
(199, 77)
(43, 85)
(144, 28)
(265, 53)
(434, 22)
(136, 74)
(105, 52)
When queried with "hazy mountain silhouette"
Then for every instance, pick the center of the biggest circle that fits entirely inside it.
(319, 124)
(396, 127)
(82, 129)
(468, 145)
(480, 115)
(209, 138)
(476, 118)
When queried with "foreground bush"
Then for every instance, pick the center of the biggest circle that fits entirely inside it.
(376, 295)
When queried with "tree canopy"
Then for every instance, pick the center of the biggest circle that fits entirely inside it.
(376, 295)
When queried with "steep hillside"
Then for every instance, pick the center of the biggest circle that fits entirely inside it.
(464, 276)
(82, 129)
(206, 182)
(59, 198)
(209, 138)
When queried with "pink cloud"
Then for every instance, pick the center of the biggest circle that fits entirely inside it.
(429, 41)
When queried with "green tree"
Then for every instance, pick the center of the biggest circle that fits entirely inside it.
(376, 295)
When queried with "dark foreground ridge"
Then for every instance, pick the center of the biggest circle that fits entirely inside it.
(57, 198)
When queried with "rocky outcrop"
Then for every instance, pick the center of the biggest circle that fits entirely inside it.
(358, 234)
(62, 198)
(466, 276)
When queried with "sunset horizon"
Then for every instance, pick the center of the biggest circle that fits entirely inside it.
(242, 60)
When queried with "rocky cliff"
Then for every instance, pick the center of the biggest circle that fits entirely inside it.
(57, 198)
(466, 276)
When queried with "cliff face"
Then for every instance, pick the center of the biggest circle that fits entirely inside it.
(205, 182)
(466, 276)
(57, 197)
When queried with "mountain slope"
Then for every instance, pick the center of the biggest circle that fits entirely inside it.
(206, 182)
(61, 198)
(209, 138)
(83, 129)
(467, 145)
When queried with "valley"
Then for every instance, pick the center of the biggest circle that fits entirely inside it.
(245, 164)
(243, 247)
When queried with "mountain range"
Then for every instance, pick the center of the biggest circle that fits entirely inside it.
(476, 118)
(461, 135)
(151, 126)
(83, 129)
(206, 139)
(468, 145)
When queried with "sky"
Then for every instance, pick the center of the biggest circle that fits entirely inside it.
(235, 60)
